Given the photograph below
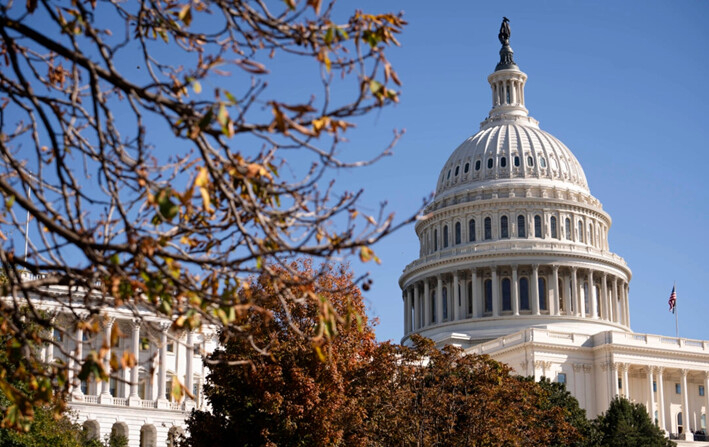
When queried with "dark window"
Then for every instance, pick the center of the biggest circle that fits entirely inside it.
(488, 228)
(521, 227)
(530, 161)
(568, 228)
(488, 295)
(477, 165)
(457, 233)
(445, 236)
(490, 162)
(580, 225)
(445, 303)
(504, 233)
(470, 298)
(449, 174)
(524, 294)
(542, 294)
(506, 294)
(678, 388)
(433, 306)
(654, 386)
(435, 239)
(516, 160)
(561, 378)
(543, 162)
(701, 390)
(58, 335)
(620, 383)
(471, 230)
(503, 161)
(537, 226)
(466, 168)
(457, 169)
(508, 95)
(552, 225)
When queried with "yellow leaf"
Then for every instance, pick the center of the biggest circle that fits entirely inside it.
(365, 254)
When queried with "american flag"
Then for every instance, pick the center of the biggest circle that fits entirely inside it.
(673, 300)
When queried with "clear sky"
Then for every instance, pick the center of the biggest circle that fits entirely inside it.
(622, 84)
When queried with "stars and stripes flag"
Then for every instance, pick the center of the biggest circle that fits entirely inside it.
(673, 300)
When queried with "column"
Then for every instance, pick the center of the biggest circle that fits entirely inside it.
(106, 385)
(417, 309)
(408, 309)
(79, 354)
(515, 291)
(575, 290)
(685, 404)
(476, 293)
(426, 304)
(134, 399)
(162, 366)
(439, 299)
(495, 293)
(582, 299)
(616, 309)
(605, 314)
(626, 311)
(567, 295)
(555, 290)
(189, 354)
(651, 408)
(535, 289)
(456, 297)
(593, 301)
(661, 398)
(706, 396)
(49, 352)
(615, 367)
(626, 383)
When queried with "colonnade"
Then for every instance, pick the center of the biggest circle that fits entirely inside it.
(513, 290)
(508, 92)
(657, 401)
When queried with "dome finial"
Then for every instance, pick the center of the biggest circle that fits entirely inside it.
(506, 52)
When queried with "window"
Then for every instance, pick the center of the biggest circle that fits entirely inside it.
(445, 304)
(568, 228)
(457, 233)
(620, 383)
(508, 95)
(466, 168)
(521, 230)
(470, 298)
(679, 419)
(490, 163)
(552, 225)
(517, 160)
(113, 387)
(703, 421)
(654, 386)
(701, 390)
(678, 388)
(477, 165)
(445, 236)
(433, 306)
(488, 295)
(586, 298)
(542, 293)
(523, 294)
(435, 239)
(171, 347)
(457, 169)
(503, 161)
(449, 174)
(58, 335)
(543, 162)
(84, 387)
(530, 161)
(580, 227)
(471, 230)
(561, 378)
(488, 228)
(537, 226)
(506, 294)
(504, 233)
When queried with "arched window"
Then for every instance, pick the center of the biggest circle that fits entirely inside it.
(445, 304)
(552, 227)
(470, 298)
(542, 294)
(679, 420)
(488, 295)
(433, 306)
(471, 230)
(477, 165)
(445, 236)
(148, 436)
(517, 160)
(435, 239)
(490, 163)
(504, 233)
(580, 228)
(562, 293)
(543, 162)
(568, 228)
(586, 298)
(507, 89)
(488, 228)
(457, 233)
(449, 174)
(457, 169)
(537, 226)
(521, 230)
(530, 161)
(506, 294)
(466, 168)
(503, 161)
(523, 293)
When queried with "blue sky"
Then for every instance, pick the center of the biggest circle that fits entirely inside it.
(620, 83)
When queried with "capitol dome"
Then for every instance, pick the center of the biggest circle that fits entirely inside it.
(513, 237)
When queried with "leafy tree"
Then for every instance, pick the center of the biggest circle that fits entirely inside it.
(159, 155)
(573, 414)
(627, 424)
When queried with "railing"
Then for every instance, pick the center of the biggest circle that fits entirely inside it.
(175, 406)
(89, 399)
(120, 401)
(149, 403)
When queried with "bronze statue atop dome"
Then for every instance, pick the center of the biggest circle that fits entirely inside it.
(504, 35)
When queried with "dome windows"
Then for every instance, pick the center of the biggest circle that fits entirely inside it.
(568, 229)
(445, 236)
(435, 239)
(471, 230)
(477, 165)
(504, 228)
(523, 293)
(488, 228)
(552, 227)
(506, 294)
(521, 230)
(537, 226)
(542, 162)
(466, 168)
(516, 160)
(449, 174)
(490, 163)
(530, 161)
(580, 232)
(457, 169)
(457, 233)
(503, 162)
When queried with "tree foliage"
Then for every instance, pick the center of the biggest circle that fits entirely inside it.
(627, 424)
(155, 154)
(572, 413)
(364, 393)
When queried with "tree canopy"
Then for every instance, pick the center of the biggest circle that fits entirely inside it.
(154, 155)
(627, 424)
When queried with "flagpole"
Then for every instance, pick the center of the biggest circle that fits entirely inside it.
(674, 287)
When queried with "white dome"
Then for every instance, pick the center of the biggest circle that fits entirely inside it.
(513, 149)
